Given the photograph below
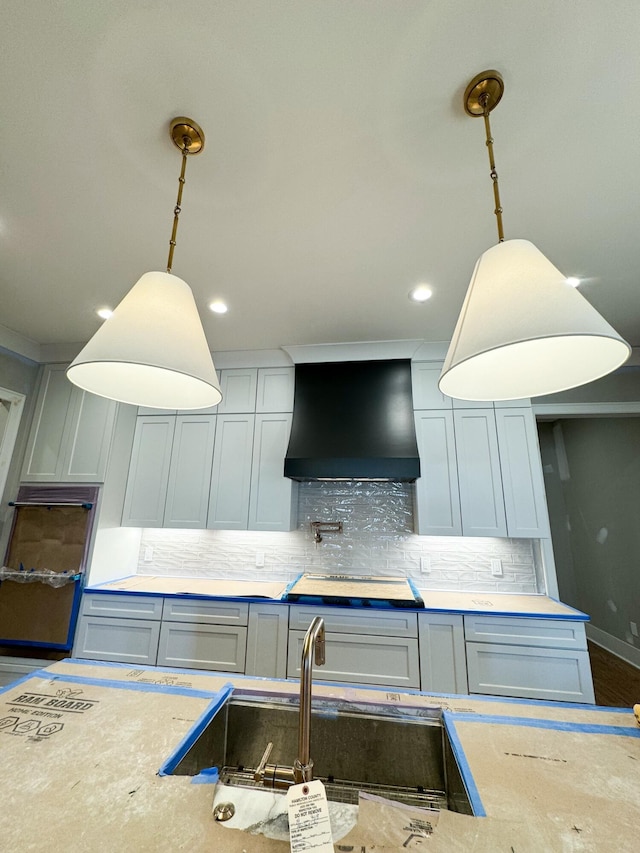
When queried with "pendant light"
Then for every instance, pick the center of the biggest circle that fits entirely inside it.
(152, 351)
(523, 331)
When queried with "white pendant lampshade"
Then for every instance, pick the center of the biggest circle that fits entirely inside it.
(152, 351)
(523, 331)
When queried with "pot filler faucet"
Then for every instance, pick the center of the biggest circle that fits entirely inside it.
(273, 775)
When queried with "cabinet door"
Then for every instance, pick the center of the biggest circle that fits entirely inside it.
(437, 497)
(231, 476)
(360, 659)
(272, 494)
(238, 386)
(132, 641)
(215, 647)
(443, 663)
(267, 640)
(479, 475)
(424, 386)
(43, 458)
(529, 673)
(88, 438)
(148, 479)
(190, 472)
(522, 478)
(275, 389)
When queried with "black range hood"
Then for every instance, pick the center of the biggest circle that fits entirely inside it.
(353, 420)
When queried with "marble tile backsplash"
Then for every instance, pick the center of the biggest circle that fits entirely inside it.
(377, 539)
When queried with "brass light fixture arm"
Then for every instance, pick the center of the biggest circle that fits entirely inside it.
(481, 96)
(189, 138)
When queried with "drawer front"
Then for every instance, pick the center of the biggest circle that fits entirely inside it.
(122, 606)
(557, 674)
(389, 661)
(548, 633)
(214, 647)
(132, 641)
(355, 620)
(205, 611)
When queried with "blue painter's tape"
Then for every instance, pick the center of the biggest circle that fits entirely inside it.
(207, 776)
(556, 725)
(416, 593)
(289, 587)
(463, 765)
(37, 673)
(170, 689)
(195, 731)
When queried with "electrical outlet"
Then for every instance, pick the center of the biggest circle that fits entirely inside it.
(260, 559)
(496, 567)
(425, 564)
(634, 628)
(148, 554)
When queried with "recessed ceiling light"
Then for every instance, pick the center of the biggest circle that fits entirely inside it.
(573, 281)
(420, 293)
(104, 313)
(218, 307)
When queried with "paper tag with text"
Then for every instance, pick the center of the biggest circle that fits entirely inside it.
(309, 826)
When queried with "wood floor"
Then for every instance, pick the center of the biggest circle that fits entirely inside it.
(617, 683)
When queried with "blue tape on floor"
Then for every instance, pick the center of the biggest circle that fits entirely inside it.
(37, 673)
(557, 725)
(195, 731)
(463, 765)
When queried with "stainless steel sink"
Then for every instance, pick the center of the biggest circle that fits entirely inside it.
(403, 756)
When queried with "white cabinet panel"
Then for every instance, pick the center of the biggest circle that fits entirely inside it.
(238, 386)
(123, 606)
(519, 631)
(356, 620)
(206, 610)
(71, 432)
(275, 389)
(214, 647)
(148, 479)
(424, 386)
(522, 478)
(271, 505)
(267, 640)
(443, 662)
(479, 474)
(190, 472)
(437, 497)
(533, 673)
(126, 640)
(392, 661)
(231, 476)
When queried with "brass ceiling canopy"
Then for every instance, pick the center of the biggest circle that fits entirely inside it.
(187, 135)
(483, 93)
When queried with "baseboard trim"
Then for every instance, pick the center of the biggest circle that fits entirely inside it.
(617, 647)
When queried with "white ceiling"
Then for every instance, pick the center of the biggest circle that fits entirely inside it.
(339, 170)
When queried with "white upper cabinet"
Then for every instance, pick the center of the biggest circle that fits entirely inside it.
(437, 498)
(238, 386)
(148, 479)
(272, 502)
(190, 471)
(231, 476)
(71, 432)
(275, 389)
(424, 384)
(522, 477)
(479, 475)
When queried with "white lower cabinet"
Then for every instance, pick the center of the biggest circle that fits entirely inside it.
(267, 640)
(443, 664)
(361, 646)
(198, 646)
(528, 658)
(119, 628)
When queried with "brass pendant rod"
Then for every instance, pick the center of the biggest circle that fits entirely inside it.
(178, 208)
(492, 164)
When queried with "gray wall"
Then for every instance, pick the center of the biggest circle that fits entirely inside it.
(16, 374)
(592, 477)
